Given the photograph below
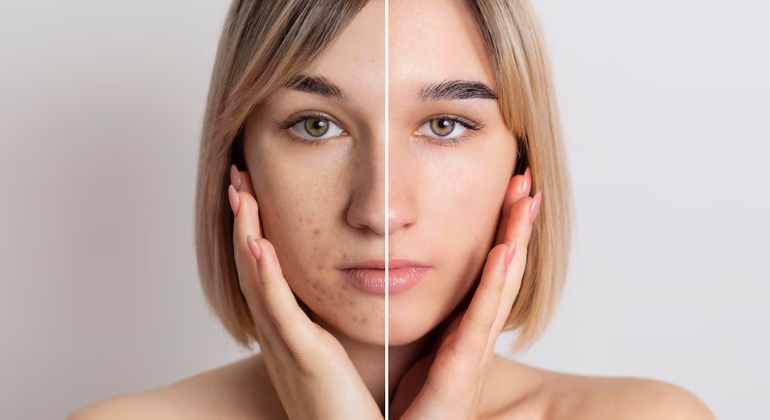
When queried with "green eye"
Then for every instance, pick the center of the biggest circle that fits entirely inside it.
(316, 127)
(442, 126)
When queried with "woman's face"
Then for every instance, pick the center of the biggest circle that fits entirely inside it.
(316, 156)
(451, 157)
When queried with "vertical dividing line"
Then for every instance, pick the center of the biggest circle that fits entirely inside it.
(387, 211)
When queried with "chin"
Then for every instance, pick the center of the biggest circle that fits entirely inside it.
(362, 322)
(409, 321)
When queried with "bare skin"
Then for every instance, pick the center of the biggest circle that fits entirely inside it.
(431, 41)
(242, 390)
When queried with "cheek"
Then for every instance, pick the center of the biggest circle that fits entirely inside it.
(468, 202)
(298, 209)
(465, 211)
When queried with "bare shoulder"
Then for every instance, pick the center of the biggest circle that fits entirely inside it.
(556, 396)
(240, 390)
(146, 405)
(627, 399)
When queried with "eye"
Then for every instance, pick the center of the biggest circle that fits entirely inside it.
(444, 127)
(316, 127)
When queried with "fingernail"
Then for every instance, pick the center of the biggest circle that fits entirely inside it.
(509, 255)
(535, 207)
(235, 177)
(527, 182)
(235, 202)
(254, 248)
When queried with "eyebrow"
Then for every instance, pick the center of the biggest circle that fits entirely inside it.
(456, 89)
(317, 85)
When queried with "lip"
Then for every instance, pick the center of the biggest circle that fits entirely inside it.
(369, 276)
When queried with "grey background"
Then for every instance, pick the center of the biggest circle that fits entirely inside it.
(664, 107)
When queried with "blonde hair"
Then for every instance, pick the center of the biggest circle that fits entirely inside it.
(264, 45)
(527, 101)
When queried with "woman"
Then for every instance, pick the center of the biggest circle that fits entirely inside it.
(294, 137)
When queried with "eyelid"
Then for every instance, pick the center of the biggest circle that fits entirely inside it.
(303, 115)
(471, 129)
(294, 119)
(464, 121)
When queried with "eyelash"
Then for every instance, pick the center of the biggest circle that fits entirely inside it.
(471, 126)
(287, 124)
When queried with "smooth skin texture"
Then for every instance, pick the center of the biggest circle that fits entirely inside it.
(322, 205)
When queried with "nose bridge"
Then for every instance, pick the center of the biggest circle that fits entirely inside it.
(402, 184)
(367, 206)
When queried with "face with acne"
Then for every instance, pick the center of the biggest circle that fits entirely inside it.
(315, 154)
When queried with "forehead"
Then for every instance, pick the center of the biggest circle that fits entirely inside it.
(356, 60)
(435, 40)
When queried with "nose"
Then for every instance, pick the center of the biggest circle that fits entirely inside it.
(403, 185)
(367, 207)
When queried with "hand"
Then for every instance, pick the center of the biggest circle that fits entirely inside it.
(447, 383)
(309, 368)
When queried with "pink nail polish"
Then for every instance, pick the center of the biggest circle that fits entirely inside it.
(235, 202)
(535, 207)
(235, 177)
(527, 182)
(254, 248)
(509, 254)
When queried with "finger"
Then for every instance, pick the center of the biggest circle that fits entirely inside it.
(519, 186)
(519, 231)
(245, 208)
(247, 187)
(473, 334)
(241, 180)
(291, 322)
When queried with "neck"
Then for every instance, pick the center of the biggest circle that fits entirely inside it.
(369, 361)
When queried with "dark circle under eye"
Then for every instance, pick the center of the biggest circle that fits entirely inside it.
(316, 127)
(442, 126)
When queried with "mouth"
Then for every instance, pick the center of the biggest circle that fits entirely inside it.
(369, 276)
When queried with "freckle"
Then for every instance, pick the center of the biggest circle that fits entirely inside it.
(300, 219)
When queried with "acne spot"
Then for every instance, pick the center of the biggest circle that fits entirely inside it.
(315, 232)
(360, 319)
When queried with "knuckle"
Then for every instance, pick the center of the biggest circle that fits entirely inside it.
(482, 322)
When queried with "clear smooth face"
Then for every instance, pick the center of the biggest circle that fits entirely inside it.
(451, 158)
(316, 158)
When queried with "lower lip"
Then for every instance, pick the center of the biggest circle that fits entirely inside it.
(372, 280)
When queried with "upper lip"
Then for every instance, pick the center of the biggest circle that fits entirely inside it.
(380, 264)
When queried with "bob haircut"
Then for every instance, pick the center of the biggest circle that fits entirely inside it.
(265, 44)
